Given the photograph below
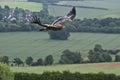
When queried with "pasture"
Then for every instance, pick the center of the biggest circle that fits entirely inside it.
(38, 44)
(24, 5)
(82, 68)
(111, 5)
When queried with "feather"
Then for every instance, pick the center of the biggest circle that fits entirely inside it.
(58, 23)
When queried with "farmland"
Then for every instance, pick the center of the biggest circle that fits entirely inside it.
(111, 5)
(24, 5)
(82, 68)
(38, 44)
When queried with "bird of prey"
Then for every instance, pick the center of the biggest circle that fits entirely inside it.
(58, 24)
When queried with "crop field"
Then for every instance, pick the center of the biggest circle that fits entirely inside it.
(82, 68)
(111, 5)
(24, 5)
(38, 44)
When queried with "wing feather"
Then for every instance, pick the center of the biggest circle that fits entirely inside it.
(36, 20)
(62, 20)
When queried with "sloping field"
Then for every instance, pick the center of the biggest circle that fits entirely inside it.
(13, 0)
(111, 5)
(82, 68)
(24, 5)
(38, 44)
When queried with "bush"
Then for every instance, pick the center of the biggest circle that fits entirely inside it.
(65, 75)
(59, 35)
(69, 57)
(5, 73)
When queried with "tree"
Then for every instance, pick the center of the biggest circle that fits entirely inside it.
(34, 64)
(48, 60)
(95, 57)
(98, 48)
(5, 73)
(29, 61)
(40, 61)
(107, 57)
(0, 16)
(4, 59)
(18, 61)
(117, 58)
(114, 52)
(69, 57)
(59, 35)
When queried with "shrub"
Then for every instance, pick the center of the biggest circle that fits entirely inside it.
(5, 73)
(59, 35)
(65, 75)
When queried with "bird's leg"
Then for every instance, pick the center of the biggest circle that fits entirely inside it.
(43, 29)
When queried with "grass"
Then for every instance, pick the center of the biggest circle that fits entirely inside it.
(24, 5)
(38, 44)
(82, 68)
(112, 5)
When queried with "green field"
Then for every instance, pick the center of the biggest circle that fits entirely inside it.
(82, 68)
(111, 5)
(38, 44)
(24, 5)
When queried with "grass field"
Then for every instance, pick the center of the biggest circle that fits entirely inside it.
(24, 5)
(38, 44)
(111, 5)
(82, 68)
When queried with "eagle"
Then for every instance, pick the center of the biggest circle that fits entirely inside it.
(58, 24)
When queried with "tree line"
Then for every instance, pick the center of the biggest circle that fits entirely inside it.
(19, 20)
(28, 61)
(7, 74)
(96, 55)
(106, 25)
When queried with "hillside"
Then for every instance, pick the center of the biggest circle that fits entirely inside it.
(24, 5)
(38, 45)
(13, 0)
(86, 11)
(111, 5)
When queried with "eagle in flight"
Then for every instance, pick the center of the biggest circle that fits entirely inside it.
(58, 24)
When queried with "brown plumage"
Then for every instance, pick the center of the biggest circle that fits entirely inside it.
(57, 24)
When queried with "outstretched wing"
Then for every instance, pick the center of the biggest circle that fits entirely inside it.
(71, 15)
(36, 20)
(62, 20)
(59, 23)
